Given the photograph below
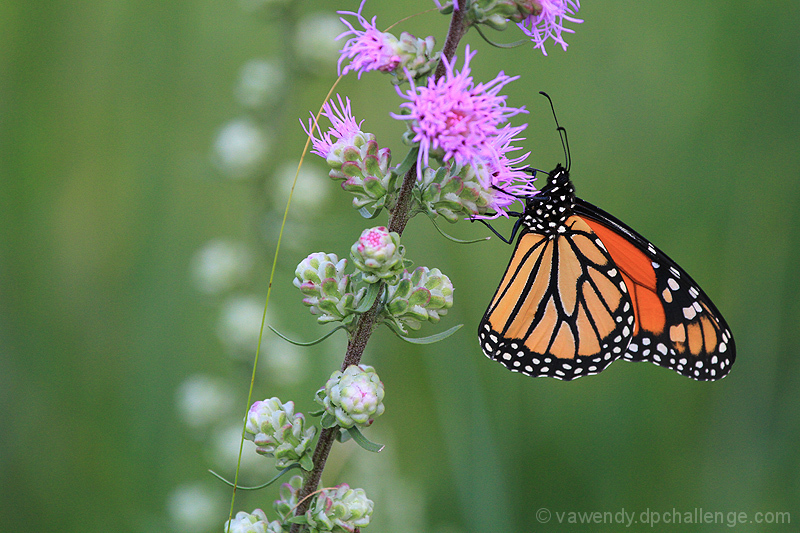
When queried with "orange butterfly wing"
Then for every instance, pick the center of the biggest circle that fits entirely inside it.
(562, 309)
(677, 325)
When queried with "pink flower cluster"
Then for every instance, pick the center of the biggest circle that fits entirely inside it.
(549, 23)
(343, 131)
(461, 123)
(367, 50)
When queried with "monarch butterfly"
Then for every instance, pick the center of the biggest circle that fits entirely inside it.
(582, 290)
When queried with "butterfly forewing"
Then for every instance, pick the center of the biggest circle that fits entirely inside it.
(677, 325)
(562, 309)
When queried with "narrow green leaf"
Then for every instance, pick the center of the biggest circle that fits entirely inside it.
(396, 328)
(343, 435)
(267, 484)
(369, 298)
(451, 238)
(364, 212)
(312, 343)
(307, 462)
(515, 44)
(328, 421)
(410, 159)
(362, 441)
(433, 338)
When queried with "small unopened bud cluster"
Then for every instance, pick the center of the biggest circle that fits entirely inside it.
(378, 254)
(498, 13)
(417, 57)
(255, 522)
(327, 290)
(353, 397)
(453, 194)
(339, 509)
(335, 510)
(363, 169)
(410, 298)
(287, 501)
(422, 295)
(279, 432)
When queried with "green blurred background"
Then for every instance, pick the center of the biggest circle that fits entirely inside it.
(133, 157)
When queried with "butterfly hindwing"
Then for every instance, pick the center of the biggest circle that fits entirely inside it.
(677, 325)
(562, 309)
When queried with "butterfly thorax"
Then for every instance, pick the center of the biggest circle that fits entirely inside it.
(548, 211)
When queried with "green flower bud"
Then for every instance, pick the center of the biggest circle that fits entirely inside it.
(327, 290)
(421, 295)
(278, 432)
(417, 57)
(379, 255)
(353, 397)
(453, 194)
(275, 527)
(255, 522)
(339, 510)
(287, 502)
(497, 13)
(364, 171)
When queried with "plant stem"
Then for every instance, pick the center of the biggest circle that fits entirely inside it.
(366, 322)
(455, 32)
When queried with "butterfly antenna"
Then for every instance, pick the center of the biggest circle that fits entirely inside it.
(562, 132)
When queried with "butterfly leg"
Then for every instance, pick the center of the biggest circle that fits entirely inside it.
(513, 231)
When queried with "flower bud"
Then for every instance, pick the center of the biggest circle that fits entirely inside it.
(353, 397)
(287, 502)
(339, 509)
(364, 171)
(275, 527)
(421, 295)
(497, 13)
(371, 49)
(278, 432)
(417, 57)
(453, 194)
(379, 255)
(327, 290)
(354, 156)
(255, 522)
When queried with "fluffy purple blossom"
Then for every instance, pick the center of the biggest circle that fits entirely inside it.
(501, 174)
(343, 131)
(453, 118)
(549, 23)
(368, 49)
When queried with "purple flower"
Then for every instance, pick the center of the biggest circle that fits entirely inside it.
(343, 131)
(370, 49)
(452, 118)
(549, 23)
(500, 174)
